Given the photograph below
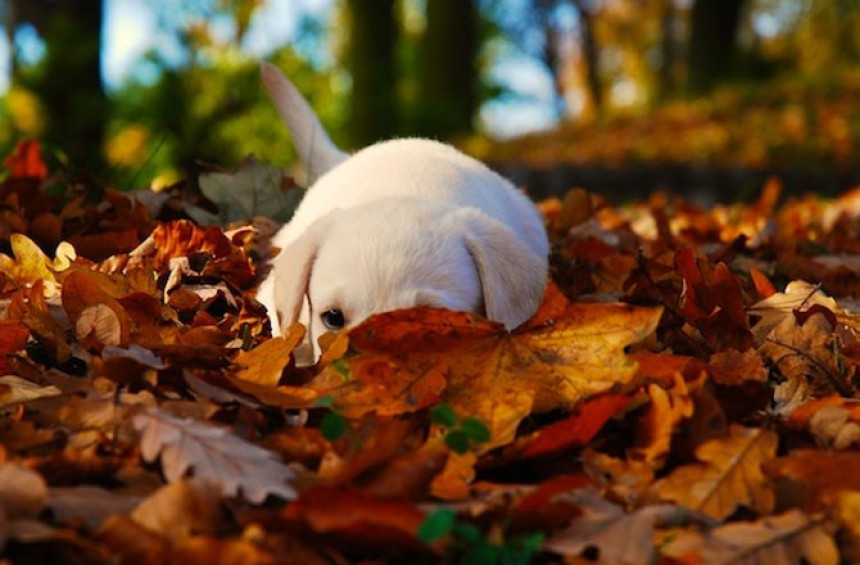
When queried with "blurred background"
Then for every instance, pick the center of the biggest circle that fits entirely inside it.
(618, 96)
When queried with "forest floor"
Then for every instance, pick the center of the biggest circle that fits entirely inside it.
(686, 393)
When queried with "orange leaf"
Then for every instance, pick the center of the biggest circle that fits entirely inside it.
(93, 312)
(356, 519)
(265, 364)
(822, 475)
(453, 482)
(668, 408)
(13, 337)
(26, 161)
(762, 284)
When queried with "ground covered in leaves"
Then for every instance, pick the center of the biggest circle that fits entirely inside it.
(685, 394)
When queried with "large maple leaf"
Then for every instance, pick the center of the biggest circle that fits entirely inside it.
(408, 360)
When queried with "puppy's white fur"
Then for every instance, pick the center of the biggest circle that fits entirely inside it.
(401, 223)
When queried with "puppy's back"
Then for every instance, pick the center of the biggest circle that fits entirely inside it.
(419, 168)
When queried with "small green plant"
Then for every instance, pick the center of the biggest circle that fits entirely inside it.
(460, 435)
(469, 545)
(333, 425)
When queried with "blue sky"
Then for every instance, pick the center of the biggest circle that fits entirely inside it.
(131, 29)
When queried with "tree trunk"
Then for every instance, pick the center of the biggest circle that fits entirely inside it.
(447, 73)
(590, 53)
(69, 85)
(666, 73)
(713, 35)
(371, 62)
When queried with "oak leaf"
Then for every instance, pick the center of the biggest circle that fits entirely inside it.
(801, 347)
(729, 475)
(788, 538)
(255, 189)
(618, 536)
(213, 453)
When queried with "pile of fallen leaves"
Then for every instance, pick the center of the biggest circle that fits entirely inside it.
(794, 123)
(685, 394)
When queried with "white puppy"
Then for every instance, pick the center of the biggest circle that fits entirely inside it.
(402, 223)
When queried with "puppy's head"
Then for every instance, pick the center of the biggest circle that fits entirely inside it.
(401, 253)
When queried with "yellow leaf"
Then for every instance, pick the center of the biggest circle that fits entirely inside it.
(453, 482)
(29, 264)
(729, 475)
(265, 364)
(565, 354)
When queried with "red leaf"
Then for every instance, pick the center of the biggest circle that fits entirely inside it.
(358, 521)
(577, 429)
(13, 337)
(25, 161)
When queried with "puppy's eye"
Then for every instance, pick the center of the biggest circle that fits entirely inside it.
(333, 319)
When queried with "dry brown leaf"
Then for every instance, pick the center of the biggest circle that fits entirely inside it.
(15, 389)
(803, 350)
(89, 504)
(23, 492)
(626, 480)
(181, 509)
(619, 537)
(788, 538)
(729, 475)
(213, 453)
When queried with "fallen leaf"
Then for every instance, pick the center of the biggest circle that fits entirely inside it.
(356, 520)
(805, 351)
(26, 161)
(788, 538)
(729, 475)
(255, 189)
(213, 453)
(497, 376)
(619, 537)
(13, 338)
(577, 429)
(15, 389)
(265, 364)
(818, 477)
(181, 509)
(655, 429)
(23, 492)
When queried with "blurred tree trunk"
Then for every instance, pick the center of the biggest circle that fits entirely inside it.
(371, 62)
(590, 53)
(69, 83)
(713, 45)
(447, 97)
(666, 74)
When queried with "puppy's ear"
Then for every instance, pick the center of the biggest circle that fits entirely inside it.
(316, 151)
(293, 274)
(513, 277)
